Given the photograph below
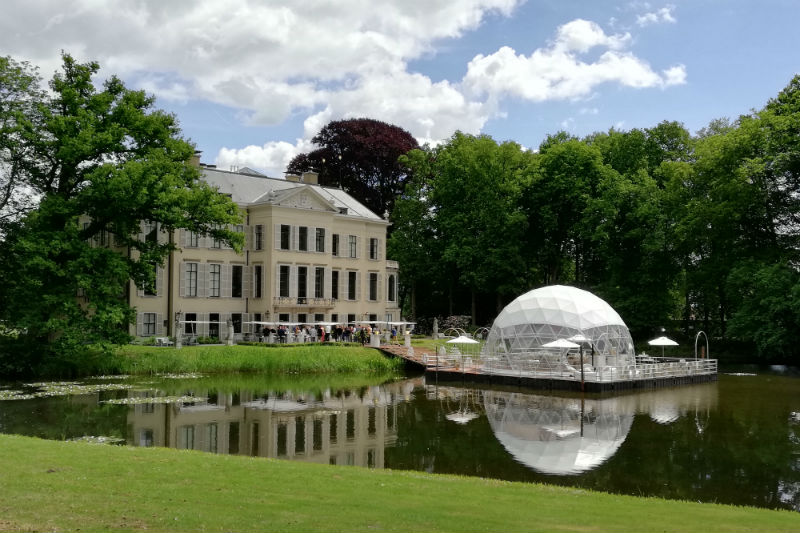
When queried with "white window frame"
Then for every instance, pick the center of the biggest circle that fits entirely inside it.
(373, 248)
(214, 280)
(192, 275)
(258, 237)
(352, 245)
(149, 324)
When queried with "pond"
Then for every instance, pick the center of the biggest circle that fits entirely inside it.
(735, 441)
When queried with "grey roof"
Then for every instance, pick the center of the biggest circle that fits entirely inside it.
(248, 189)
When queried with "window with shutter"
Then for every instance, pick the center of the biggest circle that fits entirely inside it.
(391, 288)
(214, 280)
(302, 282)
(334, 284)
(372, 293)
(302, 239)
(258, 273)
(319, 282)
(284, 281)
(213, 325)
(351, 285)
(237, 280)
(149, 324)
(258, 237)
(373, 249)
(353, 246)
(320, 240)
(191, 280)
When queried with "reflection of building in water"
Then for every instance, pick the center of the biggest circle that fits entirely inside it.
(560, 436)
(347, 427)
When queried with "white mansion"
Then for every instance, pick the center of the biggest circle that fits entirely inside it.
(312, 254)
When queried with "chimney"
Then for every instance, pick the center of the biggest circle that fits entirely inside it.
(195, 159)
(311, 178)
(293, 177)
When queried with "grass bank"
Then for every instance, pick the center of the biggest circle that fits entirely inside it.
(301, 359)
(64, 486)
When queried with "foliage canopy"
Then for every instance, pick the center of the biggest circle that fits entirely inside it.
(105, 165)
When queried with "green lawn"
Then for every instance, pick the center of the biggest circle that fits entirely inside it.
(67, 486)
(300, 359)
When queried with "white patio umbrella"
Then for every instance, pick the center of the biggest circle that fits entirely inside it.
(561, 343)
(461, 339)
(662, 341)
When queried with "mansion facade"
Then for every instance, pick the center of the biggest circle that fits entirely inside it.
(312, 254)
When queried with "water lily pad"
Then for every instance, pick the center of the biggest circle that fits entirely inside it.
(157, 399)
(15, 395)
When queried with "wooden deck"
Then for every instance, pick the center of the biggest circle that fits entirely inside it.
(444, 368)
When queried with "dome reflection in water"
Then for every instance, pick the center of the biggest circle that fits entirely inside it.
(562, 436)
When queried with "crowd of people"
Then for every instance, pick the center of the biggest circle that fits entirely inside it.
(338, 333)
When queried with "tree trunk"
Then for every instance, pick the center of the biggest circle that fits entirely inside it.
(413, 300)
(450, 299)
(474, 307)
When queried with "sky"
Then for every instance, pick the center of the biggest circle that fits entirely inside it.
(251, 82)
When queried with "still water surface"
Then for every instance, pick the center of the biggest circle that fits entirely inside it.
(735, 441)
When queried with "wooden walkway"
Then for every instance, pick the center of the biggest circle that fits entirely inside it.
(443, 368)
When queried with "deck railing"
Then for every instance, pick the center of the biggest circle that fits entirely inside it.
(550, 365)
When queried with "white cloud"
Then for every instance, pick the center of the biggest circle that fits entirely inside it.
(656, 17)
(320, 60)
(325, 60)
(675, 75)
(557, 71)
(582, 35)
(272, 157)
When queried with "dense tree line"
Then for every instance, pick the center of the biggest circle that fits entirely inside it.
(674, 230)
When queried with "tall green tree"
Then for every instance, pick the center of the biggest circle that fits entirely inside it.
(475, 195)
(561, 204)
(638, 261)
(107, 157)
(413, 242)
(20, 92)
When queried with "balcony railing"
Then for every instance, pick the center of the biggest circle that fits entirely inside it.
(302, 302)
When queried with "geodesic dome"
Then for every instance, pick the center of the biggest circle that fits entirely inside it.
(559, 312)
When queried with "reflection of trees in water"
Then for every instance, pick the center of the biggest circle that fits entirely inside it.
(63, 418)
